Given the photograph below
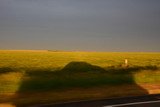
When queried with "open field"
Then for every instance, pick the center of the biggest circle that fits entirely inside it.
(55, 60)
(29, 77)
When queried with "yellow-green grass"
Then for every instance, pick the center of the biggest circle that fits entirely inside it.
(49, 59)
(68, 76)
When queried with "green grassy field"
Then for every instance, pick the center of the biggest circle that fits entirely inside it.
(55, 60)
(68, 76)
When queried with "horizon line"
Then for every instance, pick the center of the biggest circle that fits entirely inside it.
(50, 50)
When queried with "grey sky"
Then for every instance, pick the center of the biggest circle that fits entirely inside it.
(87, 25)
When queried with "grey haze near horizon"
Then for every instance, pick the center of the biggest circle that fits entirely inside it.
(82, 25)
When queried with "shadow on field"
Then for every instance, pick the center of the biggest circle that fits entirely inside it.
(76, 75)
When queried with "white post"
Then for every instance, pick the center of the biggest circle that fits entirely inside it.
(126, 62)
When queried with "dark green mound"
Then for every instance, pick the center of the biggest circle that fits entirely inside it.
(81, 67)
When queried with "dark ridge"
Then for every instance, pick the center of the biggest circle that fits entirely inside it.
(81, 67)
(130, 69)
(6, 70)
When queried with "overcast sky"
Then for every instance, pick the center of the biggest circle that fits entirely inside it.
(82, 25)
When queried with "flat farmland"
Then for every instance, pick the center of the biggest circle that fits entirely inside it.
(53, 60)
(31, 77)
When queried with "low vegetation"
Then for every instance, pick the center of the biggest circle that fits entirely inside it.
(66, 76)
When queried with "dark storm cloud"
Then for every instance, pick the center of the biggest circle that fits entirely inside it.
(97, 25)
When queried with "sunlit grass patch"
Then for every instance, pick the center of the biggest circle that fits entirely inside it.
(147, 76)
(10, 82)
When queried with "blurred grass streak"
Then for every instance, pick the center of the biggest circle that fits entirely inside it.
(10, 82)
